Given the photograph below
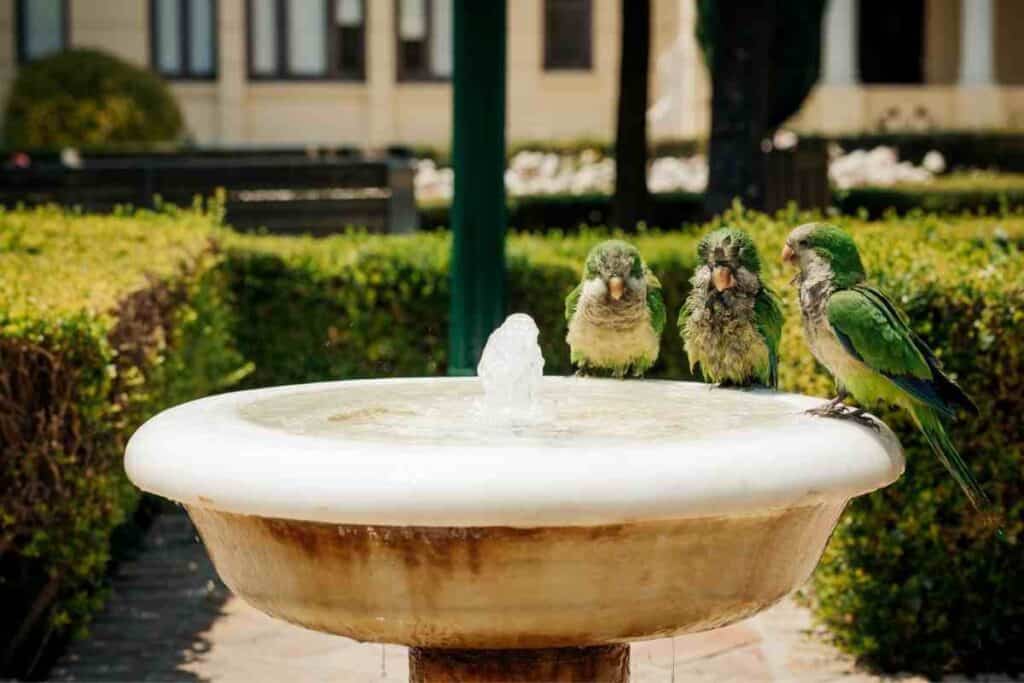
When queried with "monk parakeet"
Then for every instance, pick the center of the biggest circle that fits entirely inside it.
(865, 342)
(731, 321)
(616, 314)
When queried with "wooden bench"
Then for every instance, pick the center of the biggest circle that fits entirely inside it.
(286, 195)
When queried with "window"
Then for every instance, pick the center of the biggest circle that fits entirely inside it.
(307, 39)
(42, 28)
(891, 41)
(567, 29)
(424, 39)
(183, 35)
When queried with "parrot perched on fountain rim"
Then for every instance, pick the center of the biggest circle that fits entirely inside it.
(731, 322)
(860, 336)
(615, 314)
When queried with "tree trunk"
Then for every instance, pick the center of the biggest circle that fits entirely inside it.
(631, 197)
(742, 33)
(764, 57)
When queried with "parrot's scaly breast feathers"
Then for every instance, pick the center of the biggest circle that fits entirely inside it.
(616, 314)
(721, 322)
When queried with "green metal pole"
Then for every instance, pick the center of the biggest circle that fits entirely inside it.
(478, 159)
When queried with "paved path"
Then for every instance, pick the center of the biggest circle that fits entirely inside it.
(170, 619)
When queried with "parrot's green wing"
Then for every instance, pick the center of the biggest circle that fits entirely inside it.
(571, 300)
(768, 317)
(870, 327)
(655, 302)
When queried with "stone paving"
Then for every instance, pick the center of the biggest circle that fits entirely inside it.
(170, 619)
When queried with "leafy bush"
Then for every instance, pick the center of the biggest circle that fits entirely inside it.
(103, 320)
(976, 192)
(87, 98)
(372, 306)
(538, 213)
(911, 579)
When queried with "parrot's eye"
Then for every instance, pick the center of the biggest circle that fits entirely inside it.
(802, 243)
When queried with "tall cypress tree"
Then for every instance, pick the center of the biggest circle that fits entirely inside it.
(764, 57)
(631, 197)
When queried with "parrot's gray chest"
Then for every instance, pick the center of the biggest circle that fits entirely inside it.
(721, 335)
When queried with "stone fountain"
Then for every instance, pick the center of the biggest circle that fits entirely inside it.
(529, 532)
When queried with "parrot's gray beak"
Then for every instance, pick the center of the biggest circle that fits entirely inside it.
(722, 278)
(788, 255)
(616, 287)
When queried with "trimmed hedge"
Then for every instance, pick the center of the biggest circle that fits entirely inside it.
(88, 98)
(978, 192)
(539, 213)
(373, 306)
(911, 580)
(103, 321)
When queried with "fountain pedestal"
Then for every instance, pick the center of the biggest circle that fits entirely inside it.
(600, 664)
(385, 511)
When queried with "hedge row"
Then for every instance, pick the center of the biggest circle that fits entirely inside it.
(539, 213)
(949, 195)
(911, 580)
(978, 193)
(103, 320)
(1003, 151)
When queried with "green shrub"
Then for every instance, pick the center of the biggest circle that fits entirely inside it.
(539, 213)
(976, 192)
(372, 306)
(86, 98)
(103, 320)
(911, 579)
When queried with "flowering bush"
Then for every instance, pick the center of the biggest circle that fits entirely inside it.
(541, 173)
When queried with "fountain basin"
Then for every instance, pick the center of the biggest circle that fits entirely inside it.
(387, 511)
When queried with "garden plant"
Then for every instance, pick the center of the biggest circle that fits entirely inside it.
(103, 320)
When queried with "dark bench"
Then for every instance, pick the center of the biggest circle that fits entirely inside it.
(288, 195)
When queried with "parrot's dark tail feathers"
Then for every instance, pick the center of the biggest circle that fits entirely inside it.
(935, 432)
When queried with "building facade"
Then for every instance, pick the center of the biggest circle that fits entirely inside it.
(371, 73)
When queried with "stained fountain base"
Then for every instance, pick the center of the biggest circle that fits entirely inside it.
(601, 664)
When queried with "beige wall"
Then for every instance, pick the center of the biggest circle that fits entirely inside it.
(1010, 42)
(541, 104)
(941, 41)
(112, 25)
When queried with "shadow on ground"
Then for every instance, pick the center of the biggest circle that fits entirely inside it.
(160, 607)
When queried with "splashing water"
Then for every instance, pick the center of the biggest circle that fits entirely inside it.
(510, 369)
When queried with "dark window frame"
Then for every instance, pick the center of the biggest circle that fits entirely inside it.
(897, 62)
(586, 64)
(19, 29)
(422, 75)
(332, 74)
(185, 43)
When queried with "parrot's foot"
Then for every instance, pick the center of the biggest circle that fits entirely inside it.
(861, 417)
(834, 408)
(837, 409)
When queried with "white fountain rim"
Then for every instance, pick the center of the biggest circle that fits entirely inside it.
(203, 453)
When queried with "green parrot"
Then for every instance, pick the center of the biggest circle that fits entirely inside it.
(616, 313)
(865, 342)
(731, 321)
